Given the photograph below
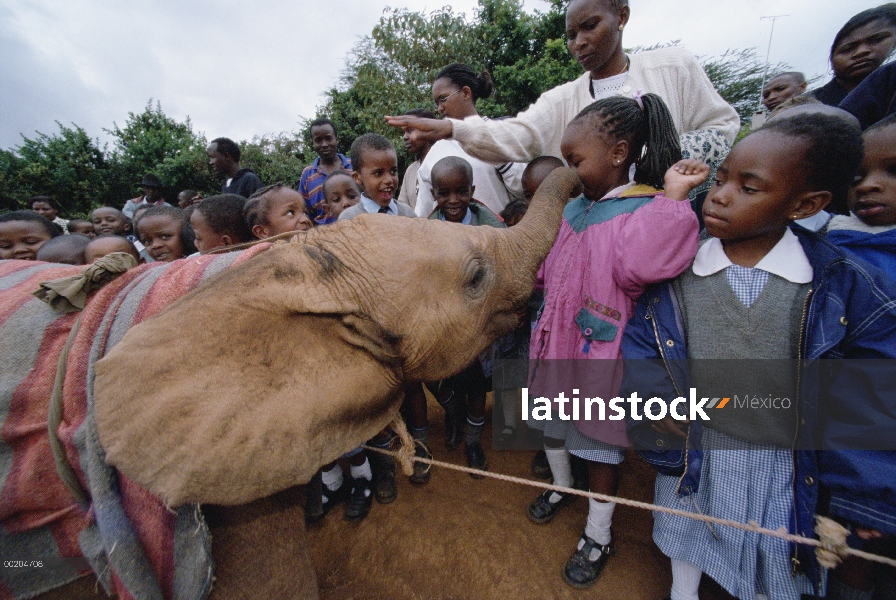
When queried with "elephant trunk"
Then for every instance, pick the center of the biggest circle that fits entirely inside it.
(527, 244)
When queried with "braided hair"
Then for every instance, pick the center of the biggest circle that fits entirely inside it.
(462, 76)
(255, 211)
(224, 215)
(653, 140)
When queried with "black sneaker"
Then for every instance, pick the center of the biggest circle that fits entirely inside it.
(383, 477)
(580, 571)
(421, 472)
(543, 510)
(541, 468)
(476, 459)
(359, 500)
(329, 499)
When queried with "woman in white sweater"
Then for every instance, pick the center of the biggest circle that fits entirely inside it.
(706, 123)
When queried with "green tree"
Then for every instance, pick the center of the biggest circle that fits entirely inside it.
(275, 158)
(392, 70)
(69, 166)
(10, 165)
(737, 76)
(152, 142)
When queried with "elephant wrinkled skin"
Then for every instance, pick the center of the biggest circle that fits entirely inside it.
(247, 385)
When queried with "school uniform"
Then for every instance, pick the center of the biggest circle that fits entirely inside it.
(837, 307)
(368, 206)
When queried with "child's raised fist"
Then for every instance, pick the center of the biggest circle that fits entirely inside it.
(684, 176)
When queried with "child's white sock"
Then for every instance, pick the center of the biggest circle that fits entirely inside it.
(509, 399)
(362, 471)
(332, 478)
(561, 469)
(686, 580)
(600, 517)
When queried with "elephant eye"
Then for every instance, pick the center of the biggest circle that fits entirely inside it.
(476, 274)
(476, 279)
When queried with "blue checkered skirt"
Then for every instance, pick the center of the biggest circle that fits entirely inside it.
(577, 442)
(739, 481)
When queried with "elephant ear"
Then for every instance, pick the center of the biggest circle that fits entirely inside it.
(247, 385)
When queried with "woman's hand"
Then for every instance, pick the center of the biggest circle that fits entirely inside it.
(422, 130)
(684, 176)
(869, 534)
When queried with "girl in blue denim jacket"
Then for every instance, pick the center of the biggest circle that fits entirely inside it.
(762, 290)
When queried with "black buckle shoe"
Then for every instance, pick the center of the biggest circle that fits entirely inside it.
(421, 472)
(384, 478)
(359, 500)
(329, 499)
(580, 571)
(476, 459)
(543, 510)
(541, 468)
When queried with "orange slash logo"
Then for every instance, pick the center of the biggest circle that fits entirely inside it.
(719, 402)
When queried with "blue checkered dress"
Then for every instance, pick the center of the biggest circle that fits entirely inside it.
(743, 482)
(739, 481)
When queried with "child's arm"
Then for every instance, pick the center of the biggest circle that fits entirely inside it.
(659, 240)
(684, 176)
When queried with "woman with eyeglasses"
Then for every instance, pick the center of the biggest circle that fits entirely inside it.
(706, 123)
(455, 91)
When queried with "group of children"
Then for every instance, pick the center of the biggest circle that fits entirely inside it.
(628, 277)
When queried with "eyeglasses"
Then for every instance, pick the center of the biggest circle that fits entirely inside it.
(444, 99)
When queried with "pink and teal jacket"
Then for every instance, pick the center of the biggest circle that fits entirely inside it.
(607, 252)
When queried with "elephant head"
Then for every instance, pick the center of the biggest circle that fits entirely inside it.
(248, 384)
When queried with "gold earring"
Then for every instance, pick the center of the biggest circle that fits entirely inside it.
(620, 27)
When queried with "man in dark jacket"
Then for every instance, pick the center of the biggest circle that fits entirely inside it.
(224, 157)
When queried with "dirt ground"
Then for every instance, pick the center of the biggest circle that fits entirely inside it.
(455, 538)
(460, 538)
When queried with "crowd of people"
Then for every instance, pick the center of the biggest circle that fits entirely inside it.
(683, 245)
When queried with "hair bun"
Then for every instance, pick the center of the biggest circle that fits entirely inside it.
(486, 85)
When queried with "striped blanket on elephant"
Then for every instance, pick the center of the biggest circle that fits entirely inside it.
(137, 547)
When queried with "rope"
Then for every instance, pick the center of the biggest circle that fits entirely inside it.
(832, 547)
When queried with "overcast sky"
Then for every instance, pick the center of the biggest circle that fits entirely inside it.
(241, 69)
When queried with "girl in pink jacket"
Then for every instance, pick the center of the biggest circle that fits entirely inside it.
(620, 236)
